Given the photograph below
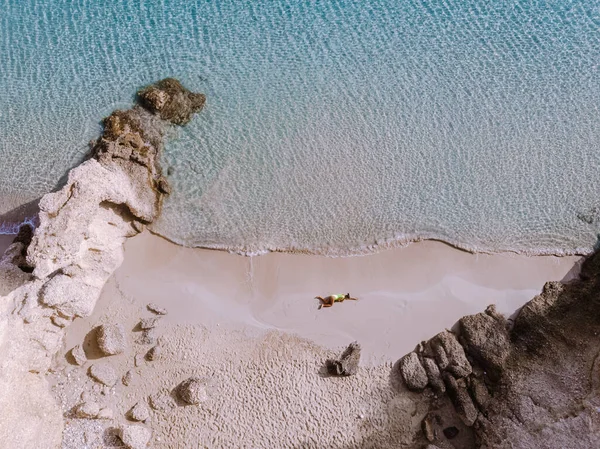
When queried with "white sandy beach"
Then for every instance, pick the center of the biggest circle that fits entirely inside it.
(405, 295)
(251, 328)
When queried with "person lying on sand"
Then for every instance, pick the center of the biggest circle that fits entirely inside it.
(329, 300)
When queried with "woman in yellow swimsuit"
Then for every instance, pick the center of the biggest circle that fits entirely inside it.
(329, 300)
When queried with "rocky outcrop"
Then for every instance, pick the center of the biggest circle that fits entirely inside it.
(57, 272)
(535, 385)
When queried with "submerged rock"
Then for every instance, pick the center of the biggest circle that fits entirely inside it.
(111, 339)
(192, 391)
(347, 364)
(171, 101)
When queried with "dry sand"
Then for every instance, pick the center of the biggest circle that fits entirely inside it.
(251, 329)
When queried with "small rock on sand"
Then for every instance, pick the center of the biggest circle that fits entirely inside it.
(87, 410)
(59, 321)
(111, 339)
(104, 373)
(156, 309)
(139, 412)
(148, 337)
(413, 373)
(139, 360)
(161, 401)
(134, 437)
(192, 391)
(79, 355)
(149, 323)
(105, 413)
(347, 364)
(154, 353)
(127, 378)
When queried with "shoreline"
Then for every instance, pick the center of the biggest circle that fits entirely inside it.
(275, 291)
(389, 244)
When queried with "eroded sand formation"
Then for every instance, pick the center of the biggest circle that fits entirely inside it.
(74, 250)
(494, 383)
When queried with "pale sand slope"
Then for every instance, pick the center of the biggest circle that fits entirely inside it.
(265, 386)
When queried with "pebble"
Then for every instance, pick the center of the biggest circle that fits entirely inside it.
(105, 413)
(59, 321)
(111, 339)
(156, 309)
(139, 360)
(134, 437)
(192, 391)
(154, 353)
(79, 355)
(149, 323)
(104, 373)
(161, 401)
(139, 412)
(148, 337)
(87, 410)
(127, 378)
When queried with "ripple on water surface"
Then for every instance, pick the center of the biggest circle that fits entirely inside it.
(334, 127)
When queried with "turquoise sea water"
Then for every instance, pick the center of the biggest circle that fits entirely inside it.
(331, 126)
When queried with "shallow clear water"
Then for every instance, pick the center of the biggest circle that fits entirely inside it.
(331, 126)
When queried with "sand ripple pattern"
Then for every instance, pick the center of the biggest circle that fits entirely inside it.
(336, 127)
